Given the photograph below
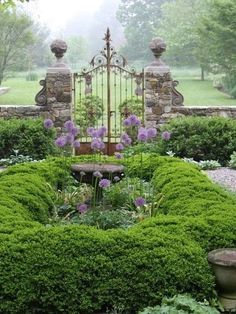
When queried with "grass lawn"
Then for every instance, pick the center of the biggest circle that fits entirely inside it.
(202, 93)
(21, 92)
(195, 91)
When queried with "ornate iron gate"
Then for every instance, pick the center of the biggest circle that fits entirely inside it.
(107, 92)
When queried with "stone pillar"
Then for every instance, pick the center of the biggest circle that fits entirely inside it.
(160, 94)
(56, 94)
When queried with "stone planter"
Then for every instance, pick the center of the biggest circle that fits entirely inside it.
(223, 262)
(108, 171)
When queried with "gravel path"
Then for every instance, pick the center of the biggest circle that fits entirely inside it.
(225, 177)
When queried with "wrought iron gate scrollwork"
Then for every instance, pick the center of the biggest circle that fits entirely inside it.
(106, 92)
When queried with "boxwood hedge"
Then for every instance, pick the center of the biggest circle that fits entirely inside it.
(79, 269)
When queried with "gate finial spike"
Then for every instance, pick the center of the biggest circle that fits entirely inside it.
(107, 37)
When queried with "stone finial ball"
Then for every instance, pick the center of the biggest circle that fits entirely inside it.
(157, 44)
(58, 47)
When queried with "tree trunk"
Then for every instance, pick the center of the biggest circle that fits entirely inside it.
(202, 74)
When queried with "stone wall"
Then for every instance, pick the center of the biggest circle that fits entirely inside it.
(203, 111)
(58, 112)
(162, 101)
(54, 99)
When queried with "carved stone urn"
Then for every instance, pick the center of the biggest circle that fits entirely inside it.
(223, 262)
(59, 47)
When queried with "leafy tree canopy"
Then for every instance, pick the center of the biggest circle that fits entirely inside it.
(4, 4)
(16, 36)
(139, 18)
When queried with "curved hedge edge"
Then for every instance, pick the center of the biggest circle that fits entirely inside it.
(105, 269)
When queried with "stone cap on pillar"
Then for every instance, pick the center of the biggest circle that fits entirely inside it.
(157, 46)
(59, 48)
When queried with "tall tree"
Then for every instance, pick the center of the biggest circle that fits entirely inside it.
(4, 4)
(15, 36)
(140, 19)
(77, 50)
(179, 28)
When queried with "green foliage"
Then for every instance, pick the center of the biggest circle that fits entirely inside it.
(232, 162)
(79, 269)
(139, 19)
(15, 159)
(201, 138)
(88, 111)
(104, 218)
(181, 304)
(131, 106)
(180, 31)
(29, 137)
(218, 30)
(16, 36)
(204, 164)
(31, 76)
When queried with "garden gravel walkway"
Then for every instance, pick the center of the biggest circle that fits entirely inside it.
(225, 177)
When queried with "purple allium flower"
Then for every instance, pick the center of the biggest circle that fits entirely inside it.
(95, 134)
(140, 201)
(101, 132)
(118, 155)
(138, 122)
(61, 141)
(97, 144)
(76, 144)
(69, 138)
(128, 141)
(90, 131)
(68, 125)
(116, 179)
(127, 122)
(134, 119)
(125, 139)
(104, 183)
(82, 208)
(48, 124)
(142, 135)
(119, 146)
(166, 135)
(74, 131)
(97, 174)
(151, 133)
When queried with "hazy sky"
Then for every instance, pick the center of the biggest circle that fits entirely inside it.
(56, 13)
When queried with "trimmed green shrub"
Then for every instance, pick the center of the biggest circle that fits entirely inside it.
(201, 138)
(79, 269)
(27, 136)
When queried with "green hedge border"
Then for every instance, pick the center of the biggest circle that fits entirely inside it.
(79, 269)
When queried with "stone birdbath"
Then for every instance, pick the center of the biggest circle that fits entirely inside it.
(84, 173)
(223, 262)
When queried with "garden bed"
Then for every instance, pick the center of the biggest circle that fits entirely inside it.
(71, 268)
